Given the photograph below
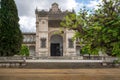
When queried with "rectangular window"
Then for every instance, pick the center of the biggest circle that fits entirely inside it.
(43, 42)
(70, 43)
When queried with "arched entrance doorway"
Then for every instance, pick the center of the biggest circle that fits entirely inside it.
(56, 45)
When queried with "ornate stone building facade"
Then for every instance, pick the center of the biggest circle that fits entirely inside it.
(49, 42)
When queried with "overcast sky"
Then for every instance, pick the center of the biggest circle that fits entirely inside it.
(26, 9)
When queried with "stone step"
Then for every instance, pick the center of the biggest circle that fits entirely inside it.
(62, 58)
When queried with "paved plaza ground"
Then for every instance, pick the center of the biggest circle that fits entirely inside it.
(60, 74)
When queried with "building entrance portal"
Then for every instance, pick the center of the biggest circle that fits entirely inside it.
(56, 45)
(55, 49)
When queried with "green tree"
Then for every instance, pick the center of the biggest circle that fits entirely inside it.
(24, 51)
(108, 20)
(98, 31)
(10, 34)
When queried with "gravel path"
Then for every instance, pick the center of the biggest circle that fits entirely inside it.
(60, 74)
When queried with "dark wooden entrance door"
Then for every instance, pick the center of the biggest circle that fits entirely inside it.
(55, 49)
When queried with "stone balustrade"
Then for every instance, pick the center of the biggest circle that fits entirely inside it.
(12, 62)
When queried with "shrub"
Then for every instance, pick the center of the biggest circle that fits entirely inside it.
(24, 51)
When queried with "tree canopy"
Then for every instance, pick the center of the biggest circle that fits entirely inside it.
(10, 34)
(97, 30)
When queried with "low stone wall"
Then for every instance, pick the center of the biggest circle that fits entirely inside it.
(57, 62)
(9, 62)
(69, 65)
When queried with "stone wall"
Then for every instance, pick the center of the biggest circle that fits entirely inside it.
(12, 62)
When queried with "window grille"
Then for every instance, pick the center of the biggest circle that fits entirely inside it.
(70, 43)
(43, 42)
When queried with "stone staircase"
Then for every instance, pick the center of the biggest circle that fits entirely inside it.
(59, 58)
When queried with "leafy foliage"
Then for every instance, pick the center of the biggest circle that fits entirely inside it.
(10, 34)
(24, 51)
(98, 31)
